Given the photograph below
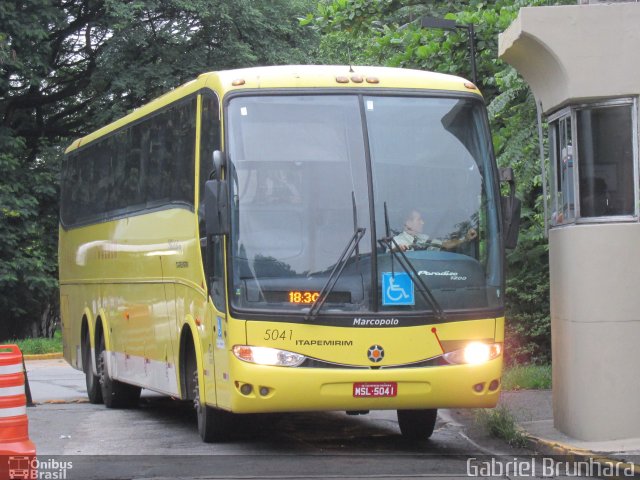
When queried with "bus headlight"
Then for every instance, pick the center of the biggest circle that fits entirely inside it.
(268, 356)
(474, 353)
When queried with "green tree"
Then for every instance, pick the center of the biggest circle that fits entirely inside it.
(70, 66)
(389, 32)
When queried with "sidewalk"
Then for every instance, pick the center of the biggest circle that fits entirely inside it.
(533, 411)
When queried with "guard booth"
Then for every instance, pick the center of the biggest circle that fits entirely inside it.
(583, 66)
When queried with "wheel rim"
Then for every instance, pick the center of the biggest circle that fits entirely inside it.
(100, 366)
(196, 398)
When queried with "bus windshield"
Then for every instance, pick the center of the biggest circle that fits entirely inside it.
(308, 172)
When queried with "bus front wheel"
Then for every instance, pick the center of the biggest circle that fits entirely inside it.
(115, 394)
(214, 425)
(417, 424)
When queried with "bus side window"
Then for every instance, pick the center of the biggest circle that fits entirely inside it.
(209, 142)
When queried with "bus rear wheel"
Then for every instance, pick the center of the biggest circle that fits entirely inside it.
(214, 425)
(417, 424)
(115, 394)
(94, 392)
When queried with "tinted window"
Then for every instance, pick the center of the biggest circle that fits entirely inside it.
(605, 155)
(209, 141)
(593, 154)
(146, 165)
(300, 199)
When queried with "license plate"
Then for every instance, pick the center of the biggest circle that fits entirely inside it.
(375, 389)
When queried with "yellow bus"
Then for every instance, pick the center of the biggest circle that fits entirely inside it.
(290, 238)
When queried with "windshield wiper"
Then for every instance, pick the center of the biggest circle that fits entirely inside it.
(335, 273)
(355, 221)
(392, 247)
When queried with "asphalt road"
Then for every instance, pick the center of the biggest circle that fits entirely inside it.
(159, 440)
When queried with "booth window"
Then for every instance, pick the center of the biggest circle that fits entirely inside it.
(562, 157)
(594, 158)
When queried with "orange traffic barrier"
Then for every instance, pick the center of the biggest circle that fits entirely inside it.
(15, 445)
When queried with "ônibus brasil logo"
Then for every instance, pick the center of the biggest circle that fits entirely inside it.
(31, 468)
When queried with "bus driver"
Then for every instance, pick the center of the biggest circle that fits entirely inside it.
(412, 238)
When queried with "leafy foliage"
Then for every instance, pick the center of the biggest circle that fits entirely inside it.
(39, 346)
(70, 66)
(27, 253)
(501, 423)
(515, 134)
(527, 377)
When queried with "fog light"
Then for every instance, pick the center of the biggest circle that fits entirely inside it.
(246, 389)
(494, 385)
(478, 387)
(264, 391)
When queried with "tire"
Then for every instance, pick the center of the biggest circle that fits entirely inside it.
(115, 394)
(214, 425)
(94, 391)
(417, 424)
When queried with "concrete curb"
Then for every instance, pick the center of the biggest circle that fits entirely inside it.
(62, 401)
(43, 356)
(578, 454)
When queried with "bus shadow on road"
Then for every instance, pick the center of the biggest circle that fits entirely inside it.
(327, 432)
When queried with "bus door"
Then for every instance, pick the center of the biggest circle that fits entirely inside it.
(218, 357)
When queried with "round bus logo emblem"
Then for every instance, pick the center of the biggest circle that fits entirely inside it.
(375, 353)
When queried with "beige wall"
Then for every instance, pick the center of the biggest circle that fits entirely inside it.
(570, 52)
(595, 311)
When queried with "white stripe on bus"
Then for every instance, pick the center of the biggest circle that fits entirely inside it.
(152, 374)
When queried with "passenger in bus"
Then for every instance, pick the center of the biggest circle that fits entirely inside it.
(412, 238)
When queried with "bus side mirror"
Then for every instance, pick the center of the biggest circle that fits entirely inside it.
(216, 207)
(511, 206)
(219, 162)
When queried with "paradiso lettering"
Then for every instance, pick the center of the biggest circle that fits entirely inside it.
(452, 275)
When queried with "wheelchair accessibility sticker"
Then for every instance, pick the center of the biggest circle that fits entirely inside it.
(220, 338)
(397, 289)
